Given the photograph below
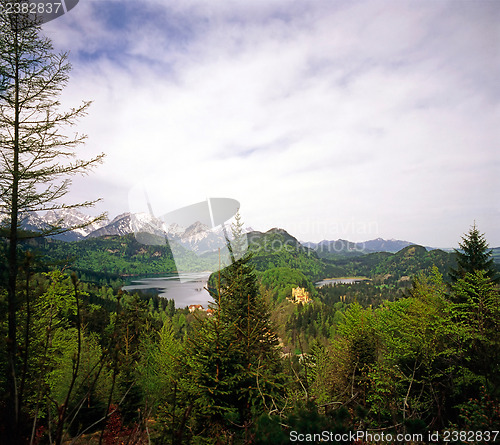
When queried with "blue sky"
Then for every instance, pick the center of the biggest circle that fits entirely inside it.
(330, 119)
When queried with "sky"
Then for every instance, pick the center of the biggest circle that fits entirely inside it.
(330, 119)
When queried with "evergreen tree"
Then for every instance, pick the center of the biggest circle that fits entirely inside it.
(245, 310)
(477, 312)
(239, 242)
(241, 303)
(235, 363)
(474, 255)
(216, 376)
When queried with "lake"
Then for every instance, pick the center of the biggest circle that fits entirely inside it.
(328, 281)
(189, 288)
(185, 289)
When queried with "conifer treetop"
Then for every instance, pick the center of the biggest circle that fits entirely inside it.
(474, 255)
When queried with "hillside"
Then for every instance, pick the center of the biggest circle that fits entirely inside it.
(277, 248)
(495, 252)
(405, 263)
(125, 256)
(114, 256)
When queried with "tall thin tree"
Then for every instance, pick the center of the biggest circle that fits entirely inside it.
(37, 153)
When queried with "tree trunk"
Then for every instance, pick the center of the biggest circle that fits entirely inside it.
(12, 396)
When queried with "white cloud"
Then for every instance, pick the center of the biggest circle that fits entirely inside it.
(381, 113)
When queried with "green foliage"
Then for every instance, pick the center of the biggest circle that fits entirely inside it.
(234, 367)
(58, 358)
(474, 255)
(314, 321)
(408, 262)
(52, 338)
(280, 281)
(399, 355)
(481, 413)
(476, 311)
(304, 425)
(159, 365)
(108, 256)
(276, 248)
(366, 293)
(217, 370)
(414, 360)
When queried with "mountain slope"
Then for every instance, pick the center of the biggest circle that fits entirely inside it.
(117, 256)
(121, 225)
(405, 263)
(382, 245)
(71, 218)
(342, 248)
(277, 248)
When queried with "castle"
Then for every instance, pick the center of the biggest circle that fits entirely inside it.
(300, 296)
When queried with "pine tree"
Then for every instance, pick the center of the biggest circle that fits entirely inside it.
(241, 303)
(239, 242)
(477, 311)
(245, 309)
(235, 360)
(474, 255)
(35, 154)
(216, 373)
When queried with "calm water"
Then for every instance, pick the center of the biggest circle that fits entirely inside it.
(189, 291)
(190, 288)
(328, 281)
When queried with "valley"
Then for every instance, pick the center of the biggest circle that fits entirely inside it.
(359, 139)
(320, 301)
(117, 254)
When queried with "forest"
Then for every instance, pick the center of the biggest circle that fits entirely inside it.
(409, 355)
(97, 365)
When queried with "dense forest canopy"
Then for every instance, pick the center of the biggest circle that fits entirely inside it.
(407, 355)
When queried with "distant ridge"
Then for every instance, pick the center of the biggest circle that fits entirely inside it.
(341, 247)
(63, 218)
(198, 239)
(382, 245)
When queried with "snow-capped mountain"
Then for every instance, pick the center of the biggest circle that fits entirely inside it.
(197, 237)
(32, 222)
(120, 225)
(148, 229)
(200, 239)
(195, 232)
(175, 230)
(131, 223)
(71, 218)
(64, 218)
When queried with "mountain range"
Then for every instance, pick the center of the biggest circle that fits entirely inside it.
(196, 237)
(333, 249)
(136, 245)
